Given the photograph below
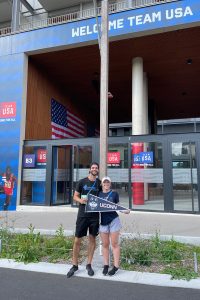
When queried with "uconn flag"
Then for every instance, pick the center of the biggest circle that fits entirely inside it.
(65, 124)
(97, 204)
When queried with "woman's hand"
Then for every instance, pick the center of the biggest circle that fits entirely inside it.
(127, 211)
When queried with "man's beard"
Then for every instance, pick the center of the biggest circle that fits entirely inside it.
(94, 173)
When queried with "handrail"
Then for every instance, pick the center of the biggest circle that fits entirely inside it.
(80, 15)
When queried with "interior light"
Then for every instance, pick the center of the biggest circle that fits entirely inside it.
(189, 61)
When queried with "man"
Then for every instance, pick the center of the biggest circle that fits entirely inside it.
(9, 180)
(85, 220)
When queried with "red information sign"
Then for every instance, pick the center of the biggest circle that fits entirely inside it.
(7, 110)
(41, 156)
(113, 158)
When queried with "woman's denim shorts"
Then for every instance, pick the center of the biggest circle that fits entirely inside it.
(114, 226)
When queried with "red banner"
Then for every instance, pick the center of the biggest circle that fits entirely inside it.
(113, 158)
(7, 110)
(41, 156)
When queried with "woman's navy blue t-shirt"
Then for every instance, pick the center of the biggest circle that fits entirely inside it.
(108, 217)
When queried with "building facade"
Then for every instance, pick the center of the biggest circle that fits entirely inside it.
(50, 68)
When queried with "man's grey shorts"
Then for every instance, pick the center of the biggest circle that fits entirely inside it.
(114, 226)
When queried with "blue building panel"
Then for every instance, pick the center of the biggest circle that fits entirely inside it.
(156, 17)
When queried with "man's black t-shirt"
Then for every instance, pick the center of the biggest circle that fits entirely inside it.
(83, 187)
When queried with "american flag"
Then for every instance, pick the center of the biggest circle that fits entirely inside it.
(65, 124)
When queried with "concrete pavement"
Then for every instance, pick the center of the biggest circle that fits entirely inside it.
(136, 222)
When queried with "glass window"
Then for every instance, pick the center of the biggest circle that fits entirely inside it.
(34, 175)
(147, 176)
(117, 162)
(184, 175)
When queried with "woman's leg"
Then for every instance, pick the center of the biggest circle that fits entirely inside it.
(105, 247)
(114, 236)
(7, 202)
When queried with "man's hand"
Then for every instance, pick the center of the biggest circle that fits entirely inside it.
(84, 199)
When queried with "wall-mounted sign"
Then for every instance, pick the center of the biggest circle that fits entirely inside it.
(7, 111)
(41, 157)
(29, 161)
(143, 158)
(113, 158)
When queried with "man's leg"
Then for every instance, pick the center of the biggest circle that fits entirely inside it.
(76, 251)
(91, 248)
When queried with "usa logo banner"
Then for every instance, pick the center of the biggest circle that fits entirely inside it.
(7, 111)
(97, 204)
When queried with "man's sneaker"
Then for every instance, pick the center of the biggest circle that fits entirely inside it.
(90, 270)
(71, 272)
(105, 270)
(113, 271)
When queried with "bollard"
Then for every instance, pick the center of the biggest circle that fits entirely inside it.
(100, 248)
(0, 246)
(195, 263)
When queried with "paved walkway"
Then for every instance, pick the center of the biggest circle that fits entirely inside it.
(50, 218)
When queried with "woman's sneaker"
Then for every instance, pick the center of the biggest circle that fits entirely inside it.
(71, 272)
(105, 270)
(113, 271)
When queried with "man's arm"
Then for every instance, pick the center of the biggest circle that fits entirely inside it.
(78, 199)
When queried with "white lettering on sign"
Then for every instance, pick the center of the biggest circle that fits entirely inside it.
(8, 111)
(178, 13)
(136, 20)
(116, 24)
(29, 160)
(105, 205)
(143, 19)
(84, 30)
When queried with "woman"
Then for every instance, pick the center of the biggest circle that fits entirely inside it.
(110, 228)
(9, 182)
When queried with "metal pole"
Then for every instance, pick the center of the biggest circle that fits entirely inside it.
(195, 263)
(104, 89)
(97, 22)
(15, 15)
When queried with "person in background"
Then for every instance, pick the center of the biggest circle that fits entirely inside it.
(86, 221)
(9, 181)
(110, 226)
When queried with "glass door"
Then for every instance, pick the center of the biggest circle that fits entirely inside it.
(62, 175)
(184, 176)
(82, 159)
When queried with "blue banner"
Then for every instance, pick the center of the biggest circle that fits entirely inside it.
(154, 17)
(97, 204)
(143, 158)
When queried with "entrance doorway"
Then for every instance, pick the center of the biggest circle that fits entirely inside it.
(61, 175)
(150, 172)
(51, 169)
